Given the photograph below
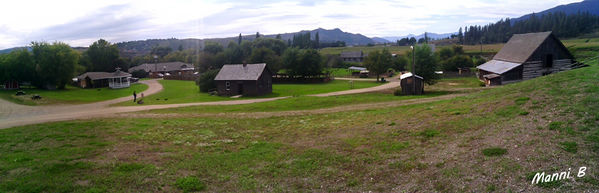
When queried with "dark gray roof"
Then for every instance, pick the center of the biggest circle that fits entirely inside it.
(162, 67)
(497, 66)
(103, 75)
(240, 72)
(521, 46)
(354, 54)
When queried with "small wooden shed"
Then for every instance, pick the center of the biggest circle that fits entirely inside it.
(411, 84)
(244, 79)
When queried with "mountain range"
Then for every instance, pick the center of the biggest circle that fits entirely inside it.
(591, 6)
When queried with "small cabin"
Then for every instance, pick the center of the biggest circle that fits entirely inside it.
(244, 79)
(113, 80)
(411, 84)
(526, 56)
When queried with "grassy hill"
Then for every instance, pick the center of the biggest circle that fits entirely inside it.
(492, 140)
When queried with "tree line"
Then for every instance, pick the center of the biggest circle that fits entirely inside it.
(50, 66)
(561, 24)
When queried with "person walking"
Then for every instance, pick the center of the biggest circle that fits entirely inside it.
(134, 96)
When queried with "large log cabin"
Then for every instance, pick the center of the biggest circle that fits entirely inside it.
(526, 56)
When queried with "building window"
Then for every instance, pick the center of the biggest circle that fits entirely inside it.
(548, 61)
(228, 85)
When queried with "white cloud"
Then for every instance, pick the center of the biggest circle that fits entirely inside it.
(81, 22)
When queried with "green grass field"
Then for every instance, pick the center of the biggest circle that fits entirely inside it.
(488, 140)
(340, 72)
(178, 91)
(70, 95)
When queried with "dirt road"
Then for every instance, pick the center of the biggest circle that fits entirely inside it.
(12, 115)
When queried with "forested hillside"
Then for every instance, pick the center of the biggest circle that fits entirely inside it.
(562, 25)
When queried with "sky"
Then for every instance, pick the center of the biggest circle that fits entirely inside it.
(80, 23)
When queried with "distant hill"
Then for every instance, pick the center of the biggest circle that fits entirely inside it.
(6, 51)
(142, 47)
(380, 40)
(430, 35)
(591, 6)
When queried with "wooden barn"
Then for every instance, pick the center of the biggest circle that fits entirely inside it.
(411, 84)
(526, 56)
(244, 79)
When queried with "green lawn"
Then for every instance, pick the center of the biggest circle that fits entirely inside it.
(70, 95)
(299, 103)
(178, 91)
(487, 141)
(340, 72)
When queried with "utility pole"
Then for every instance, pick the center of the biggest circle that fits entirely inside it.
(413, 70)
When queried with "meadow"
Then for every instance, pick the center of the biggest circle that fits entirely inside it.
(486, 141)
(178, 91)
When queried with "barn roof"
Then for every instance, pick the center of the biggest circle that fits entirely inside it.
(521, 46)
(356, 68)
(497, 66)
(409, 74)
(162, 67)
(241, 72)
(103, 75)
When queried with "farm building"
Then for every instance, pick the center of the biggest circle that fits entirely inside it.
(411, 84)
(526, 56)
(357, 56)
(117, 79)
(167, 70)
(244, 79)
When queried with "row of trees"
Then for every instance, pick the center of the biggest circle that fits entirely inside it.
(560, 23)
(303, 41)
(412, 41)
(54, 65)
(45, 66)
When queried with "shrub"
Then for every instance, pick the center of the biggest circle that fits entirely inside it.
(494, 151)
(139, 74)
(190, 184)
(206, 81)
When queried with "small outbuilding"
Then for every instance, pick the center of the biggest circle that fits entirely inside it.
(117, 79)
(244, 79)
(526, 56)
(411, 84)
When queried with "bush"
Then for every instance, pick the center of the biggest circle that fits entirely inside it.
(457, 61)
(206, 81)
(139, 74)
(190, 184)
(494, 151)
